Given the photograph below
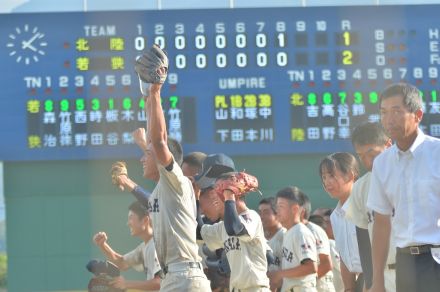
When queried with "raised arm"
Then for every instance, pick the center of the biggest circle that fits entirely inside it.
(121, 179)
(233, 224)
(152, 67)
(100, 239)
(157, 127)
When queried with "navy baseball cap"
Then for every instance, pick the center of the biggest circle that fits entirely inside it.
(213, 166)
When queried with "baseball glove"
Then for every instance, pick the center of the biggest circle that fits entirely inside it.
(239, 183)
(152, 66)
(118, 168)
(101, 284)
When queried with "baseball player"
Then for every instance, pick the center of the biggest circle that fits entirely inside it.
(299, 263)
(142, 258)
(190, 166)
(369, 140)
(324, 222)
(273, 230)
(240, 233)
(172, 203)
(325, 274)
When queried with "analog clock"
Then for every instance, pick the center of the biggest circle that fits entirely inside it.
(26, 44)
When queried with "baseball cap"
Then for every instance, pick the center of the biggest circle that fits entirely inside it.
(213, 166)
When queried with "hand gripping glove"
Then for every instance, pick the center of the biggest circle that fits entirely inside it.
(239, 183)
(118, 168)
(152, 66)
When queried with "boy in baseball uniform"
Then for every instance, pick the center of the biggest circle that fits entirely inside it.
(325, 274)
(369, 141)
(273, 230)
(142, 258)
(299, 266)
(241, 234)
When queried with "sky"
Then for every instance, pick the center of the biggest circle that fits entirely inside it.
(29, 6)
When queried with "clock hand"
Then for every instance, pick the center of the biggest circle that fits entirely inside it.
(27, 44)
(30, 47)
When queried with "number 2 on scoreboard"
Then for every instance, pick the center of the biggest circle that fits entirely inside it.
(347, 57)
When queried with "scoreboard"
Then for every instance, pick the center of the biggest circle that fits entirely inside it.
(242, 81)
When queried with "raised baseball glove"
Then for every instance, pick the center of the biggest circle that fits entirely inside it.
(239, 183)
(118, 168)
(152, 66)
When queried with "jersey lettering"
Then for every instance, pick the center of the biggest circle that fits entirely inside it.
(153, 208)
(232, 243)
(370, 217)
(288, 255)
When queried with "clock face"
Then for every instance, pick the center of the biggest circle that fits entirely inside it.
(26, 44)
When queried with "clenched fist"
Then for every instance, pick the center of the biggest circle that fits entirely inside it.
(100, 238)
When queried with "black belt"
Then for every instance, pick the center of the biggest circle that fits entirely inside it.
(416, 250)
(392, 266)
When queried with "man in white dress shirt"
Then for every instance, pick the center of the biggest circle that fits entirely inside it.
(405, 180)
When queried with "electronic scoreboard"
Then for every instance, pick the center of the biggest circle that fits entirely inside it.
(242, 81)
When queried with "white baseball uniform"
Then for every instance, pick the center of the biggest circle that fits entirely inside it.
(336, 260)
(246, 253)
(144, 259)
(276, 244)
(299, 244)
(325, 283)
(172, 208)
(357, 212)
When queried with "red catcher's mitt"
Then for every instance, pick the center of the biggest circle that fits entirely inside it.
(239, 183)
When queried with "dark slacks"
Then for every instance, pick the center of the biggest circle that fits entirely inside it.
(417, 273)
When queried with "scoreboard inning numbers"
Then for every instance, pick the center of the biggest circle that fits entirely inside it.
(241, 81)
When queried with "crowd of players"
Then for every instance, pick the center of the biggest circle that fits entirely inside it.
(383, 234)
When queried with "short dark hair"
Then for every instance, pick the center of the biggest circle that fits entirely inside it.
(175, 149)
(292, 193)
(410, 94)
(328, 212)
(271, 202)
(318, 220)
(343, 161)
(307, 205)
(194, 159)
(369, 133)
(323, 211)
(139, 209)
(205, 191)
